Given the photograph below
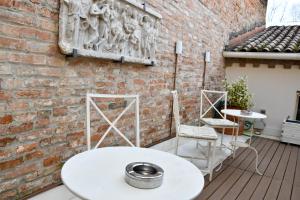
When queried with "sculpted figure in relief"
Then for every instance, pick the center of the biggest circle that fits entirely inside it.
(152, 39)
(146, 28)
(131, 27)
(75, 16)
(97, 31)
(109, 26)
(117, 36)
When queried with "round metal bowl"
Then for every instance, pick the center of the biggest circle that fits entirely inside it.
(144, 175)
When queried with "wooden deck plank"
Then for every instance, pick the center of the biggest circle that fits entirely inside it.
(275, 161)
(261, 189)
(266, 161)
(238, 187)
(273, 190)
(250, 161)
(227, 184)
(264, 181)
(249, 188)
(287, 183)
(296, 192)
(296, 186)
(216, 183)
(280, 171)
(237, 180)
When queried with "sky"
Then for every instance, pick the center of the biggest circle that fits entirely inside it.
(283, 12)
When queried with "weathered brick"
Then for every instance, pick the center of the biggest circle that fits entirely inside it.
(51, 160)
(4, 95)
(6, 119)
(10, 164)
(34, 155)
(21, 128)
(11, 194)
(20, 170)
(7, 140)
(8, 185)
(61, 111)
(26, 148)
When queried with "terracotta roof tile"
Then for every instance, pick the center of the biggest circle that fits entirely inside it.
(272, 39)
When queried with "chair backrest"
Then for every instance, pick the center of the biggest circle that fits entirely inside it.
(218, 96)
(176, 110)
(90, 101)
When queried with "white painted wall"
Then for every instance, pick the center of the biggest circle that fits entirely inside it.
(274, 90)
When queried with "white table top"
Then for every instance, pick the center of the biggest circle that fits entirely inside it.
(237, 113)
(99, 174)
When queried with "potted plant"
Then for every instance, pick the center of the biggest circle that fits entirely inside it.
(239, 97)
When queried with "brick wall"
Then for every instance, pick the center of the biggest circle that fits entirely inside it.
(42, 105)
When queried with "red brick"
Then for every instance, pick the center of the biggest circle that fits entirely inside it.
(76, 135)
(18, 106)
(34, 155)
(21, 170)
(104, 84)
(21, 128)
(139, 81)
(6, 119)
(28, 93)
(11, 194)
(7, 140)
(62, 111)
(51, 161)
(26, 148)
(4, 95)
(11, 163)
(11, 43)
(27, 58)
(56, 61)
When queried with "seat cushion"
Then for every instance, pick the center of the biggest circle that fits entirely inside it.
(198, 132)
(218, 123)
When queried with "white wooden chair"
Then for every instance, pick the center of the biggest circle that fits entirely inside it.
(90, 101)
(221, 122)
(198, 133)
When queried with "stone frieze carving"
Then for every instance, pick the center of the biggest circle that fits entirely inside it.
(122, 30)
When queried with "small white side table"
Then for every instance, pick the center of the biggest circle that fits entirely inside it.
(99, 174)
(235, 143)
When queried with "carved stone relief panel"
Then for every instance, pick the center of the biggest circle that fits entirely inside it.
(122, 30)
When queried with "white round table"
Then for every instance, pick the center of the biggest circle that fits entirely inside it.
(239, 114)
(99, 174)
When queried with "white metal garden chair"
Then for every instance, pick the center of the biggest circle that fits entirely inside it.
(221, 122)
(203, 133)
(90, 101)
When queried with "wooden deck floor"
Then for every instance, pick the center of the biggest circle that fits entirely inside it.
(279, 163)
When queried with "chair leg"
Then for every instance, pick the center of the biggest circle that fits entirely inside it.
(211, 168)
(223, 132)
(177, 143)
(208, 155)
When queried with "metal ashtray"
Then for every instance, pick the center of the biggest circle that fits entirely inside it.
(144, 175)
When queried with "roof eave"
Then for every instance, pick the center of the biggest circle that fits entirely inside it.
(262, 55)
